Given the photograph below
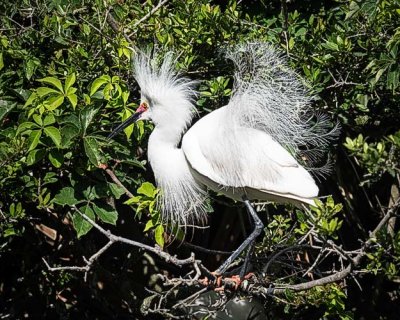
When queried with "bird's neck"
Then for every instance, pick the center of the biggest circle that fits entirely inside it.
(166, 136)
(182, 198)
(163, 149)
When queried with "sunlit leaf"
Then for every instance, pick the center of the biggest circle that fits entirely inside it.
(34, 139)
(53, 81)
(147, 189)
(69, 81)
(73, 98)
(38, 119)
(49, 119)
(159, 235)
(97, 84)
(44, 91)
(34, 156)
(54, 134)
(54, 102)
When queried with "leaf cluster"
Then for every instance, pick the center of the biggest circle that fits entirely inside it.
(66, 81)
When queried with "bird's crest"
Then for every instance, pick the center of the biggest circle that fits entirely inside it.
(163, 86)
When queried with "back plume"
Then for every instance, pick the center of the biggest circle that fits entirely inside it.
(269, 96)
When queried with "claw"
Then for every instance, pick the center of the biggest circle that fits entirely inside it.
(237, 281)
(205, 282)
(249, 275)
(219, 281)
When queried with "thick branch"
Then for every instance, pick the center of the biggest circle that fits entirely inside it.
(114, 25)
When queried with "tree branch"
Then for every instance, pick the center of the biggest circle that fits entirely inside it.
(113, 239)
(345, 272)
(145, 17)
(115, 26)
(117, 181)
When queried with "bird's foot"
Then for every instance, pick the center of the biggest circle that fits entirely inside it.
(214, 280)
(220, 283)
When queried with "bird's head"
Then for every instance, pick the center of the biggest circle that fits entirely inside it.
(166, 97)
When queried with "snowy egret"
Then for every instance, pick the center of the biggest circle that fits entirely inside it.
(251, 149)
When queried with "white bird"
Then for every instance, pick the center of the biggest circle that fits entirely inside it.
(246, 150)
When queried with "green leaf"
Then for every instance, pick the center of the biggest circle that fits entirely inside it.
(68, 133)
(69, 81)
(6, 107)
(82, 226)
(159, 235)
(54, 134)
(29, 67)
(1, 61)
(106, 214)
(38, 119)
(73, 99)
(56, 158)
(31, 98)
(34, 139)
(379, 74)
(97, 84)
(149, 225)
(147, 189)
(129, 129)
(44, 91)
(393, 78)
(133, 200)
(90, 193)
(49, 119)
(92, 150)
(116, 190)
(330, 45)
(25, 126)
(34, 156)
(86, 118)
(66, 196)
(53, 81)
(54, 102)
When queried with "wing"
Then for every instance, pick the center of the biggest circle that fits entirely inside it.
(241, 157)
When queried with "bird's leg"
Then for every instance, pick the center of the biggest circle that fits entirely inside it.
(243, 270)
(256, 232)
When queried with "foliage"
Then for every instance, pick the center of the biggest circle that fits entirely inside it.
(66, 80)
(377, 158)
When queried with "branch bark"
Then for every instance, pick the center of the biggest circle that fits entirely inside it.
(145, 17)
(113, 239)
(340, 275)
(117, 181)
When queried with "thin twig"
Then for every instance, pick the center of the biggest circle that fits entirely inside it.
(145, 17)
(191, 297)
(118, 182)
(355, 262)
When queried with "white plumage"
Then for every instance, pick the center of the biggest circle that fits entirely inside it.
(240, 149)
